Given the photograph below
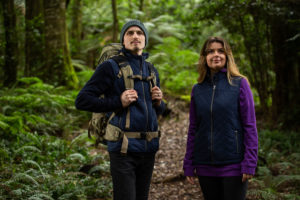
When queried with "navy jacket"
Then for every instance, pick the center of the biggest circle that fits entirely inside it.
(219, 133)
(143, 115)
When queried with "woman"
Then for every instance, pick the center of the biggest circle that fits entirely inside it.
(222, 139)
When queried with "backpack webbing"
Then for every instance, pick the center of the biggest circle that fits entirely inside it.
(129, 78)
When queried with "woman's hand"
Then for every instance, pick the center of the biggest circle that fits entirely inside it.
(246, 177)
(190, 179)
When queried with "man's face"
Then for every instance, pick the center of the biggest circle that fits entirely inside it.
(134, 40)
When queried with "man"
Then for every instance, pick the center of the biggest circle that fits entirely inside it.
(131, 170)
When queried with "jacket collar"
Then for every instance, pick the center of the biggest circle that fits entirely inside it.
(219, 75)
(128, 54)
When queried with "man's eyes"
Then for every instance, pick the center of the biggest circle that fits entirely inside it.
(137, 32)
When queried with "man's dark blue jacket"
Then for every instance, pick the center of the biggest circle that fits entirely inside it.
(143, 114)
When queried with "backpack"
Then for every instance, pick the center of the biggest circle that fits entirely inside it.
(99, 126)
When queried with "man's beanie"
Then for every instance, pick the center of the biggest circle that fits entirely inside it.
(130, 23)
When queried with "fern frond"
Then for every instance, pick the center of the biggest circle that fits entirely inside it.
(17, 193)
(66, 196)
(28, 148)
(95, 169)
(80, 138)
(40, 196)
(34, 138)
(35, 198)
(283, 181)
(3, 125)
(29, 80)
(261, 194)
(24, 177)
(77, 156)
(33, 163)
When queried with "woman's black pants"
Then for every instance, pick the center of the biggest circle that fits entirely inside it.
(131, 175)
(223, 188)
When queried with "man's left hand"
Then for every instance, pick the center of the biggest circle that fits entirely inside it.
(157, 95)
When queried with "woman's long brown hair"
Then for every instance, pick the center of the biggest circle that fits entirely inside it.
(232, 69)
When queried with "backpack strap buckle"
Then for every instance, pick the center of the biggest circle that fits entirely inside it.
(143, 135)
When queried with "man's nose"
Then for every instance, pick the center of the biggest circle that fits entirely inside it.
(135, 34)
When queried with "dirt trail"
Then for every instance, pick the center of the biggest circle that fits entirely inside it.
(168, 182)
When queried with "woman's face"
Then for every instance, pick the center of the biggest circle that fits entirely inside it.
(215, 56)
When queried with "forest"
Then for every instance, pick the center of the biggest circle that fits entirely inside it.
(50, 48)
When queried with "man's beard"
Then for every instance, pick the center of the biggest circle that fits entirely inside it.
(136, 49)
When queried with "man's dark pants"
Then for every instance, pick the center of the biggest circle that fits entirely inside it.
(131, 175)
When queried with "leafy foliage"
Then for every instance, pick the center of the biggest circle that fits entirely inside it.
(36, 165)
(278, 166)
(176, 66)
(34, 106)
(49, 168)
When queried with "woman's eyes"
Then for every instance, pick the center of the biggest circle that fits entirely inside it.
(211, 51)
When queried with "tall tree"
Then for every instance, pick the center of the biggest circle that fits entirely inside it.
(247, 19)
(115, 21)
(11, 47)
(284, 25)
(58, 68)
(270, 31)
(76, 26)
(141, 5)
(34, 41)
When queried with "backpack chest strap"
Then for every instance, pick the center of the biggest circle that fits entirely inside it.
(139, 135)
(114, 133)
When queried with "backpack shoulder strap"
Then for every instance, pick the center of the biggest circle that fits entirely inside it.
(127, 73)
(152, 77)
(125, 70)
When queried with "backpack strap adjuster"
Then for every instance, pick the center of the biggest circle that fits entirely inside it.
(143, 135)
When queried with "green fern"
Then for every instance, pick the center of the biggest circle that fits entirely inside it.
(77, 156)
(261, 194)
(80, 139)
(24, 177)
(40, 196)
(284, 181)
(35, 164)
(27, 148)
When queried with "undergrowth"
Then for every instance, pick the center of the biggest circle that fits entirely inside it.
(42, 154)
(278, 171)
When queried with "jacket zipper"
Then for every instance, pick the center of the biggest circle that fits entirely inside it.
(211, 121)
(141, 71)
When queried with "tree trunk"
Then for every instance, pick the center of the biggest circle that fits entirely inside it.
(130, 8)
(11, 46)
(34, 38)
(141, 6)
(76, 27)
(58, 69)
(257, 60)
(286, 98)
(115, 21)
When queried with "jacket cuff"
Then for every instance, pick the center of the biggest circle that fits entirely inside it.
(248, 170)
(160, 108)
(189, 171)
(117, 103)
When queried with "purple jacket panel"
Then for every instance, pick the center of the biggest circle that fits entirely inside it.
(248, 165)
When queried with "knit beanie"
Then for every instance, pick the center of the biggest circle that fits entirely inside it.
(130, 23)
